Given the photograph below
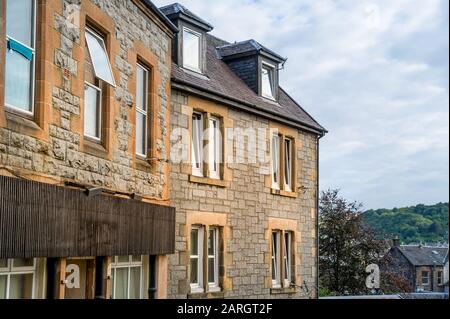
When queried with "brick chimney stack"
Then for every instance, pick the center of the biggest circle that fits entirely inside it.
(396, 241)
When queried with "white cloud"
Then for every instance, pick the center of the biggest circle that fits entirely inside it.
(375, 73)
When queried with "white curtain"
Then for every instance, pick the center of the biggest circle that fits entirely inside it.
(121, 283)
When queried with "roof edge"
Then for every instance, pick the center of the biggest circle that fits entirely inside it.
(245, 106)
(411, 262)
(325, 131)
(406, 257)
(150, 5)
(257, 48)
(185, 14)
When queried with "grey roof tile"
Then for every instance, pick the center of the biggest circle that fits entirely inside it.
(177, 9)
(246, 47)
(219, 79)
(424, 255)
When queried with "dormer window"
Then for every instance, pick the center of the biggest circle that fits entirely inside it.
(256, 65)
(191, 50)
(189, 44)
(268, 81)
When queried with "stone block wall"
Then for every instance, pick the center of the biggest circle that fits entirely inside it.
(248, 205)
(51, 147)
(433, 284)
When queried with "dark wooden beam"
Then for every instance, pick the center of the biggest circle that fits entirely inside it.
(42, 220)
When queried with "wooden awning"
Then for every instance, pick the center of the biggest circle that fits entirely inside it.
(42, 220)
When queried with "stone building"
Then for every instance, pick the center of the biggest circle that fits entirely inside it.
(422, 267)
(84, 145)
(244, 172)
(446, 273)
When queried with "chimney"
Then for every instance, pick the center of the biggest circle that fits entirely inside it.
(396, 241)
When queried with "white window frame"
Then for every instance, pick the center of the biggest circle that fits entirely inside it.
(271, 69)
(96, 35)
(276, 165)
(440, 277)
(214, 286)
(276, 258)
(199, 36)
(288, 167)
(127, 265)
(143, 112)
(287, 258)
(99, 107)
(10, 270)
(214, 147)
(197, 171)
(33, 63)
(427, 277)
(197, 287)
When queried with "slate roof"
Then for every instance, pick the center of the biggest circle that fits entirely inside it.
(178, 9)
(249, 46)
(161, 15)
(220, 80)
(424, 255)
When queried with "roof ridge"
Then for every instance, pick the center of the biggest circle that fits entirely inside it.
(255, 45)
(406, 257)
(417, 255)
(423, 246)
(237, 42)
(161, 15)
(180, 9)
(175, 4)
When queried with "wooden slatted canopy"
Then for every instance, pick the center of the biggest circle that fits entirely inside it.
(42, 220)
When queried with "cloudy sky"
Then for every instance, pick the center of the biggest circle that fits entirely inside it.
(374, 73)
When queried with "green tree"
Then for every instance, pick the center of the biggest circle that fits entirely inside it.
(347, 247)
(421, 223)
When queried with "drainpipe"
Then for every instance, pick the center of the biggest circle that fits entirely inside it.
(52, 278)
(433, 270)
(100, 266)
(317, 216)
(152, 285)
(415, 285)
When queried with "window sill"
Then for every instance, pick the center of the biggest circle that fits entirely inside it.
(267, 97)
(192, 69)
(279, 291)
(94, 148)
(208, 181)
(143, 163)
(207, 295)
(17, 121)
(283, 193)
(214, 289)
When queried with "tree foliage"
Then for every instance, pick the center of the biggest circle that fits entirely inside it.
(347, 247)
(393, 279)
(421, 223)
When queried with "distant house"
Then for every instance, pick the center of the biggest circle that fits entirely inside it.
(446, 273)
(421, 266)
